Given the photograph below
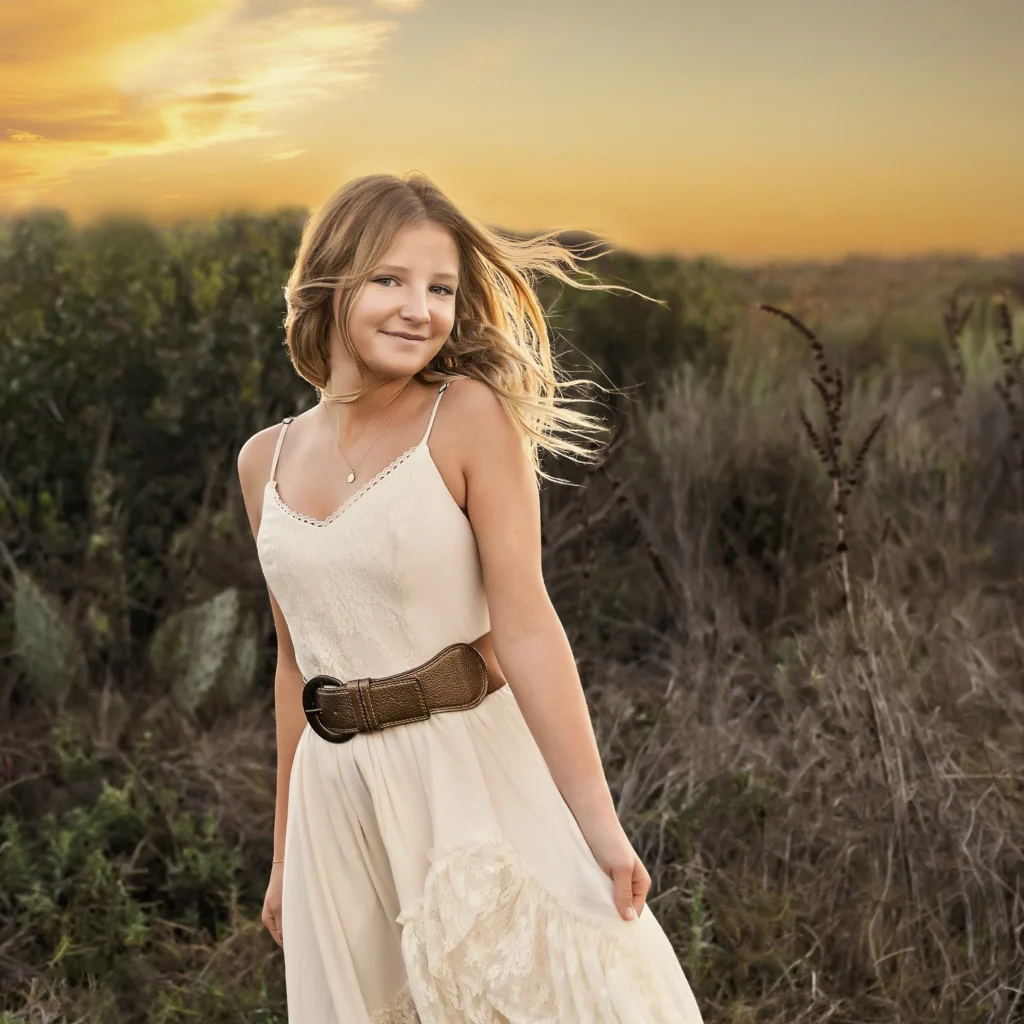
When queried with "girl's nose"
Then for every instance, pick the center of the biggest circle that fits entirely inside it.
(415, 307)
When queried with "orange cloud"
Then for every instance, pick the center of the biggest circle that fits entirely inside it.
(82, 84)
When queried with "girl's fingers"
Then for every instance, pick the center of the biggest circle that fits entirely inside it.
(270, 923)
(622, 891)
(641, 886)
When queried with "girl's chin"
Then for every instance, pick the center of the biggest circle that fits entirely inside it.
(389, 366)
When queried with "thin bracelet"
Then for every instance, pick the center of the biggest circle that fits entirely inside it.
(277, 862)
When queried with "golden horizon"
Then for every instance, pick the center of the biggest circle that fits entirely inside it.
(718, 129)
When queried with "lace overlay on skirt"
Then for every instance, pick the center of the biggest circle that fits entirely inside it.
(490, 944)
(401, 1010)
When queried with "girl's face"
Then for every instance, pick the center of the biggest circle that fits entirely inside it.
(410, 292)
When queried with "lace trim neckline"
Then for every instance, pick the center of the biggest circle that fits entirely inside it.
(350, 500)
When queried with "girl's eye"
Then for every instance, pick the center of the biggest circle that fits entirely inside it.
(445, 289)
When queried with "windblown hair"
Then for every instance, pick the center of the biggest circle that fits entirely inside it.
(499, 334)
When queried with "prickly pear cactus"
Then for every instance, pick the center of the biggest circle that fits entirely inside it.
(207, 653)
(240, 666)
(44, 640)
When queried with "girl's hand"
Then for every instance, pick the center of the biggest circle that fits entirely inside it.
(630, 880)
(271, 916)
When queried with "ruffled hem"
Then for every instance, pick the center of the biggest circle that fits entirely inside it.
(400, 1010)
(489, 943)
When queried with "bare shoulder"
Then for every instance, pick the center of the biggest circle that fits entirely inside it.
(254, 460)
(493, 456)
(256, 454)
(478, 416)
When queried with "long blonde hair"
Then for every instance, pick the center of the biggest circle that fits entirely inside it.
(499, 335)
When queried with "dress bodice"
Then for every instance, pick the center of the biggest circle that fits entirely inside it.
(385, 581)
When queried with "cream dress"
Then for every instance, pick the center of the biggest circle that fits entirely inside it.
(433, 873)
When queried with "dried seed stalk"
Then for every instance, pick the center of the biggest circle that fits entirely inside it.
(954, 320)
(828, 443)
(1011, 381)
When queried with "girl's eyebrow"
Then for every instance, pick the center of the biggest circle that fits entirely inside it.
(405, 270)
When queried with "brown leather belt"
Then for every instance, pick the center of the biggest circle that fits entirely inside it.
(454, 679)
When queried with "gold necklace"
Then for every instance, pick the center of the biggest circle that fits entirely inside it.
(352, 474)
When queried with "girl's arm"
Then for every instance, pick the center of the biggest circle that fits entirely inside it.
(529, 641)
(290, 720)
(253, 473)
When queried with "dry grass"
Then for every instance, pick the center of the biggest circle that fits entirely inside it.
(805, 675)
(829, 795)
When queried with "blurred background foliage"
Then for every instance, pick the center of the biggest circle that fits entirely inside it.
(824, 778)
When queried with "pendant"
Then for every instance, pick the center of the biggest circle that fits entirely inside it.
(351, 477)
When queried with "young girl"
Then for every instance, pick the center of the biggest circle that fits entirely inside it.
(446, 849)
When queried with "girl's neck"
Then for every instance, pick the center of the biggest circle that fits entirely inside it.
(378, 398)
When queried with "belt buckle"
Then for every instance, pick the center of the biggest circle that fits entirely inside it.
(312, 710)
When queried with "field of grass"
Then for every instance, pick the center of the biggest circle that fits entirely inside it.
(804, 654)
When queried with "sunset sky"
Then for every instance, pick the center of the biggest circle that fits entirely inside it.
(744, 129)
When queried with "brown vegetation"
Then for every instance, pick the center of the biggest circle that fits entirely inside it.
(805, 670)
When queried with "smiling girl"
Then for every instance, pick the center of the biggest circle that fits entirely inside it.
(446, 848)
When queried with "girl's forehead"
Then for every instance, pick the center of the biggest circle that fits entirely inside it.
(422, 234)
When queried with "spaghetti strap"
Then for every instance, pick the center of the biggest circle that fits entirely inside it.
(433, 412)
(280, 441)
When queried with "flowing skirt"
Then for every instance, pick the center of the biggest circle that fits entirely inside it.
(434, 875)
